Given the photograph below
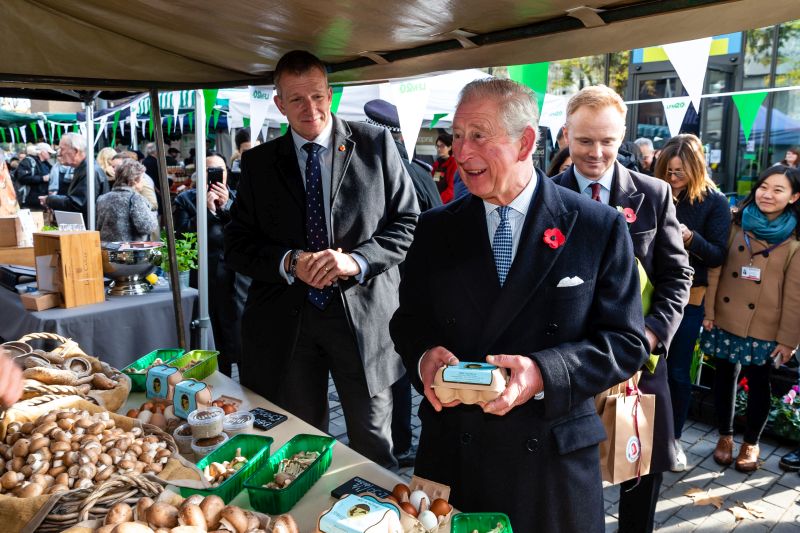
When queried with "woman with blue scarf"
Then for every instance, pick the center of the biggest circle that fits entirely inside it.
(753, 307)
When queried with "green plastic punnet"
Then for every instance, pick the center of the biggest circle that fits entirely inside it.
(278, 501)
(254, 447)
(481, 522)
(138, 380)
(206, 367)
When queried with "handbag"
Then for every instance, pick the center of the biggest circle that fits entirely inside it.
(628, 416)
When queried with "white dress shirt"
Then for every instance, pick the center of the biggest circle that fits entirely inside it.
(516, 215)
(605, 181)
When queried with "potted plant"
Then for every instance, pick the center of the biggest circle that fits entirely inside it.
(186, 253)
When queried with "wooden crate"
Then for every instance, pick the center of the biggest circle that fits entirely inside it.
(77, 264)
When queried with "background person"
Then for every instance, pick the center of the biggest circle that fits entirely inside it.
(444, 168)
(123, 214)
(104, 158)
(72, 148)
(560, 162)
(33, 174)
(594, 131)
(227, 289)
(705, 221)
(792, 157)
(753, 307)
(8, 196)
(646, 155)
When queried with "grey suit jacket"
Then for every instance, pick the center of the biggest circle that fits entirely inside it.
(373, 212)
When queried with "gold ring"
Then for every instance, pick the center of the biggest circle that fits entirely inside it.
(327, 269)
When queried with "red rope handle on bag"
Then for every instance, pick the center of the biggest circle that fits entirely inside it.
(631, 389)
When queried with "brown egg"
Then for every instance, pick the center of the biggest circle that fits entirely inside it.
(401, 492)
(132, 413)
(229, 408)
(439, 507)
(408, 508)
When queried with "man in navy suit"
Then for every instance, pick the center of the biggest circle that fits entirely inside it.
(542, 278)
(594, 131)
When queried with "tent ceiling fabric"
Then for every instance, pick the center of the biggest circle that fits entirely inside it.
(134, 44)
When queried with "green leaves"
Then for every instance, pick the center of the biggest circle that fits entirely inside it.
(185, 250)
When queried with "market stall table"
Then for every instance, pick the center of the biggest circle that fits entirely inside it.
(346, 463)
(118, 331)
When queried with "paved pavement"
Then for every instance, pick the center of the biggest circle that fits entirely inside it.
(775, 493)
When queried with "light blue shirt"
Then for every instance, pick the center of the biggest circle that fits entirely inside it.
(516, 215)
(605, 181)
(325, 140)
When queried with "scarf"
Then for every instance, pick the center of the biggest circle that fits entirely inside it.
(771, 231)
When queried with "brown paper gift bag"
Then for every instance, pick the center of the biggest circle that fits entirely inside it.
(628, 416)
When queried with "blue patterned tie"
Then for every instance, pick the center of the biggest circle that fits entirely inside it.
(501, 245)
(316, 229)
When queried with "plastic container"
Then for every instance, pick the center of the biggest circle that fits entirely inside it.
(278, 501)
(184, 442)
(238, 422)
(202, 449)
(138, 379)
(482, 522)
(206, 367)
(206, 423)
(254, 447)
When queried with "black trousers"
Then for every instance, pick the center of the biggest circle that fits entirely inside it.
(326, 344)
(401, 415)
(637, 504)
(726, 379)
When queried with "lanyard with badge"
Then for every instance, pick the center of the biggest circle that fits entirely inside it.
(750, 272)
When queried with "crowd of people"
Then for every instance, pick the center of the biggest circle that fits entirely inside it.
(336, 253)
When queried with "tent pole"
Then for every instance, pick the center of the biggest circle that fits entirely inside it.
(203, 322)
(166, 202)
(90, 177)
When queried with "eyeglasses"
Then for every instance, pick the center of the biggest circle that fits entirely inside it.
(440, 145)
(677, 173)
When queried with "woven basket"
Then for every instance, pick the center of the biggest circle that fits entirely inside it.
(88, 504)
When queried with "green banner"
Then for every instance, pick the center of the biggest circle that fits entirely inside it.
(114, 129)
(210, 97)
(215, 112)
(436, 118)
(336, 100)
(284, 128)
(748, 105)
(534, 76)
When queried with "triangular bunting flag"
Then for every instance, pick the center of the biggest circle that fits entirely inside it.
(180, 122)
(3, 134)
(436, 118)
(23, 134)
(215, 112)
(534, 76)
(260, 99)
(690, 59)
(210, 100)
(41, 127)
(675, 109)
(284, 128)
(114, 129)
(190, 120)
(554, 114)
(169, 124)
(411, 99)
(336, 99)
(13, 137)
(748, 105)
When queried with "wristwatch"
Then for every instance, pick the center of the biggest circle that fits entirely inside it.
(293, 262)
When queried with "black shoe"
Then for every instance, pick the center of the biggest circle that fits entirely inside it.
(791, 461)
(407, 458)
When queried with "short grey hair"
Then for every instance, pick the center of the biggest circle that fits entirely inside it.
(75, 141)
(128, 173)
(150, 149)
(517, 102)
(644, 141)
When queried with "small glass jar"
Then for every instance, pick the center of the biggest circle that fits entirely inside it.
(238, 422)
(206, 423)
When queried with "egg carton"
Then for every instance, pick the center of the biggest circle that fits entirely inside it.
(470, 393)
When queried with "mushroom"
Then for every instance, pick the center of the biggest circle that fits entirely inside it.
(234, 519)
(192, 515)
(188, 529)
(194, 499)
(21, 447)
(31, 490)
(10, 480)
(132, 527)
(141, 508)
(162, 515)
(212, 509)
(119, 513)
(252, 521)
(285, 524)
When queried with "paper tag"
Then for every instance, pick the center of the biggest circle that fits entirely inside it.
(752, 273)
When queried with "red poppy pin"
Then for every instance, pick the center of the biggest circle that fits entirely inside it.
(630, 214)
(554, 238)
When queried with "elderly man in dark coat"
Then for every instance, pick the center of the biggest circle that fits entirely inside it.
(544, 279)
(594, 131)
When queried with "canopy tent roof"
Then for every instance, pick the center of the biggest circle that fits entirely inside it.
(136, 44)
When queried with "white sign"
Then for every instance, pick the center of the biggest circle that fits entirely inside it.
(675, 109)
(260, 99)
(690, 59)
(554, 114)
(411, 99)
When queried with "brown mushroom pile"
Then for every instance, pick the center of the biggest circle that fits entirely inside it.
(290, 469)
(196, 514)
(52, 369)
(73, 449)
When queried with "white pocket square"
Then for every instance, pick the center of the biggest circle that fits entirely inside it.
(570, 282)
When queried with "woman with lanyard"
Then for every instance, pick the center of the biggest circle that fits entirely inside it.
(753, 307)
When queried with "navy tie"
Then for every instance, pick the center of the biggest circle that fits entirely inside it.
(502, 245)
(316, 229)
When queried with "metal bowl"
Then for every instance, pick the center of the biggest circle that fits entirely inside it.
(128, 264)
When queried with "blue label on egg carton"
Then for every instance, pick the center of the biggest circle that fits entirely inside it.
(157, 385)
(357, 514)
(473, 373)
(185, 399)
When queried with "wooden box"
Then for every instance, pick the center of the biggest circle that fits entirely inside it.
(16, 230)
(70, 263)
(39, 301)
